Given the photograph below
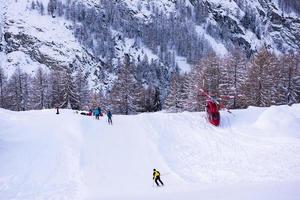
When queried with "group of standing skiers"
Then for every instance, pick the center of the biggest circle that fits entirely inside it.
(98, 112)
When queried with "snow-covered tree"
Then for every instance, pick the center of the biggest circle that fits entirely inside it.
(33, 5)
(83, 90)
(290, 79)
(174, 101)
(151, 100)
(18, 91)
(39, 97)
(194, 83)
(3, 89)
(157, 103)
(263, 79)
(42, 9)
(185, 90)
(27, 90)
(55, 88)
(52, 5)
(99, 99)
(70, 96)
(233, 77)
(211, 74)
(124, 92)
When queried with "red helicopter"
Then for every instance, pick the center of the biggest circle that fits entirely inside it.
(212, 109)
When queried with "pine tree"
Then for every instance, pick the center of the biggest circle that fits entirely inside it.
(42, 9)
(40, 98)
(33, 5)
(205, 76)
(83, 91)
(52, 7)
(3, 89)
(174, 101)
(123, 93)
(185, 90)
(19, 89)
(263, 79)
(98, 99)
(211, 74)
(55, 88)
(157, 104)
(140, 97)
(70, 96)
(149, 99)
(233, 76)
(290, 82)
(194, 83)
(27, 90)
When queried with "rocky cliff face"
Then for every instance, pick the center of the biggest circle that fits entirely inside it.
(252, 23)
(30, 40)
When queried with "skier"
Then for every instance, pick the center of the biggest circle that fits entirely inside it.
(57, 110)
(109, 116)
(97, 112)
(156, 178)
(100, 111)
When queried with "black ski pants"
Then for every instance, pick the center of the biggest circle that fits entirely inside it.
(157, 179)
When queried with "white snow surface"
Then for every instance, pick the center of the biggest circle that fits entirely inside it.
(254, 154)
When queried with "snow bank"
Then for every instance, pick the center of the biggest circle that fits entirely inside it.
(279, 121)
(69, 156)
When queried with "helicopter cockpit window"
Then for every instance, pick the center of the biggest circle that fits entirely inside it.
(216, 116)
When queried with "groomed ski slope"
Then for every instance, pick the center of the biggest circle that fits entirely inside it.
(255, 154)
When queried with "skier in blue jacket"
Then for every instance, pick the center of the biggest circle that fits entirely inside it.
(97, 112)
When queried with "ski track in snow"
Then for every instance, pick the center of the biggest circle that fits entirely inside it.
(69, 156)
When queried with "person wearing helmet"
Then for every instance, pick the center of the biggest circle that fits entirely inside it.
(156, 178)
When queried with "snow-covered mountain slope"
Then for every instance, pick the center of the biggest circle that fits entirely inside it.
(33, 40)
(253, 155)
(29, 39)
(274, 28)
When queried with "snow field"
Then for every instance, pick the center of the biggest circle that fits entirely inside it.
(253, 155)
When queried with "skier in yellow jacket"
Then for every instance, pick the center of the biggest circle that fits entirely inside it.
(156, 177)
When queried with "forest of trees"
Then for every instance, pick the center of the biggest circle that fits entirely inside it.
(264, 80)
(144, 85)
(99, 28)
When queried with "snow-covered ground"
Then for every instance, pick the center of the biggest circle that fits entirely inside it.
(253, 155)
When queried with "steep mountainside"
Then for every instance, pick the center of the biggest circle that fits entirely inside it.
(159, 36)
(31, 40)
